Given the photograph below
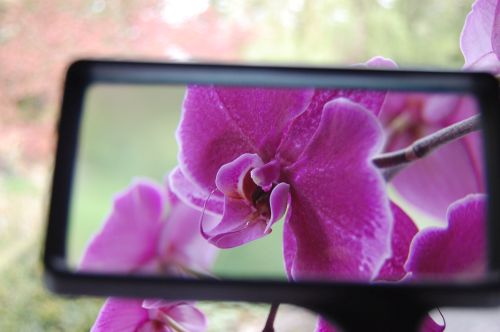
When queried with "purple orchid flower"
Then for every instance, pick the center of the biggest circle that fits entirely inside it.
(261, 150)
(480, 39)
(128, 315)
(150, 230)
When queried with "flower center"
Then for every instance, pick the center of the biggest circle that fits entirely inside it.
(257, 196)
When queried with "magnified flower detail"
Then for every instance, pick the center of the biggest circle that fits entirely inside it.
(252, 201)
(429, 184)
(340, 216)
(264, 170)
(314, 171)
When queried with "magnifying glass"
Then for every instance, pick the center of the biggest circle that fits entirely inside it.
(334, 189)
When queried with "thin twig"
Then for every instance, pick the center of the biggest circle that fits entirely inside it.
(393, 162)
(269, 327)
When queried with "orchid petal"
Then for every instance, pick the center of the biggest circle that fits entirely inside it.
(335, 237)
(278, 202)
(303, 127)
(457, 251)
(230, 178)
(429, 325)
(246, 217)
(129, 236)
(237, 226)
(400, 106)
(458, 109)
(488, 62)
(153, 326)
(264, 176)
(480, 35)
(188, 316)
(219, 124)
(289, 245)
(430, 185)
(193, 195)
(402, 234)
(495, 38)
(181, 242)
(379, 62)
(182, 313)
(439, 108)
(324, 326)
(120, 315)
(263, 113)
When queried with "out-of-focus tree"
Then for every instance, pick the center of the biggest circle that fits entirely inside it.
(422, 33)
(39, 39)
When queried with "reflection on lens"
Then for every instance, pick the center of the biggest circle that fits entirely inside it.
(283, 183)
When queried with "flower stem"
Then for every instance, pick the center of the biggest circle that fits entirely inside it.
(392, 162)
(269, 327)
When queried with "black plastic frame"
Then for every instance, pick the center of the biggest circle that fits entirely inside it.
(408, 301)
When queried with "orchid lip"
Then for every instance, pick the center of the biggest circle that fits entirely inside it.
(258, 196)
(253, 201)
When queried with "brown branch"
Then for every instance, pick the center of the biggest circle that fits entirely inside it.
(392, 162)
(269, 327)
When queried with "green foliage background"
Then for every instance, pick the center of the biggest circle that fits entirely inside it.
(413, 33)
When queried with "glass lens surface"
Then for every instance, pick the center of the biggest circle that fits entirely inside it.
(206, 181)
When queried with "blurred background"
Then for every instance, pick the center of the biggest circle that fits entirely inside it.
(38, 40)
